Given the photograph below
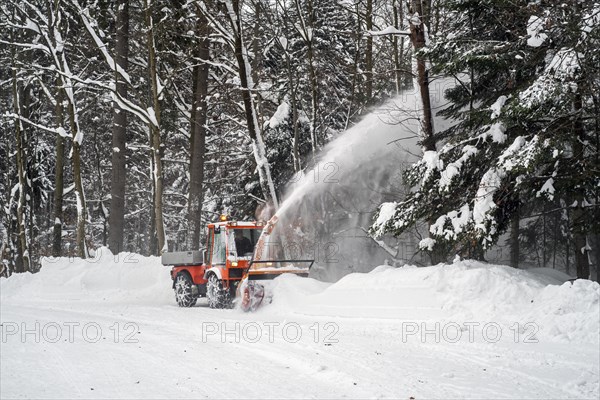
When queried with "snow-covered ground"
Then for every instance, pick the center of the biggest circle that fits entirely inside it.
(111, 329)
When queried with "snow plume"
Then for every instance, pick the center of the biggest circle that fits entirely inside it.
(329, 207)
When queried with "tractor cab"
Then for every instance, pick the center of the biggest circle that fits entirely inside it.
(230, 247)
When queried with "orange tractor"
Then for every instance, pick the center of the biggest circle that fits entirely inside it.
(231, 265)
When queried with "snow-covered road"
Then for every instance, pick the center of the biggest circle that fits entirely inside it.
(98, 340)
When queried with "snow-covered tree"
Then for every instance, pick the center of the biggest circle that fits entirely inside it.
(525, 124)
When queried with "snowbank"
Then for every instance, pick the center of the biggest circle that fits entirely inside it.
(123, 278)
(466, 291)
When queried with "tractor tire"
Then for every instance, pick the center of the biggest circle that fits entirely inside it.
(184, 294)
(216, 294)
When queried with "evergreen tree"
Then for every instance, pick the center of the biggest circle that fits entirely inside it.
(519, 136)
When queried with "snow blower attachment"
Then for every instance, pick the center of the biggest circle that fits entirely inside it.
(256, 286)
(232, 264)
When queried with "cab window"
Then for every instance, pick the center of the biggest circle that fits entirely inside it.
(243, 241)
(209, 246)
(218, 253)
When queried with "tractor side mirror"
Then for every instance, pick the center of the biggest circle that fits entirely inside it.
(203, 256)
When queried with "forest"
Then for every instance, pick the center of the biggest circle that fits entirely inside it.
(132, 123)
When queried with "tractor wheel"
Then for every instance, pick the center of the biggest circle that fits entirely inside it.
(216, 294)
(183, 290)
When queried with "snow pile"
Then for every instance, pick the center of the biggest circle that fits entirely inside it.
(466, 291)
(290, 290)
(569, 312)
(126, 278)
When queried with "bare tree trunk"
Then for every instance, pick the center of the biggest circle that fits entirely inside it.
(77, 136)
(152, 240)
(314, 92)
(116, 219)
(99, 183)
(292, 82)
(23, 262)
(597, 254)
(578, 221)
(79, 192)
(76, 162)
(417, 36)
(369, 52)
(555, 238)
(568, 259)
(58, 177)
(198, 134)
(256, 52)
(544, 256)
(354, 100)
(307, 33)
(258, 146)
(256, 41)
(294, 103)
(579, 239)
(426, 12)
(7, 250)
(398, 17)
(155, 142)
(514, 240)
(596, 227)
(31, 211)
